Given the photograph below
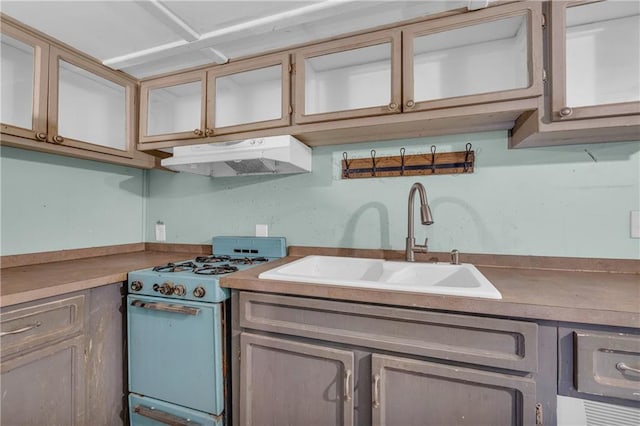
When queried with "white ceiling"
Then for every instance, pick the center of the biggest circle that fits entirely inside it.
(150, 37)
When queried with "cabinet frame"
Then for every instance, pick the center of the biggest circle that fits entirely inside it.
(533, 13)
(392, 36)
(56, 55)
(168, 81)
(40, 83)
(282, 59)
(557, 48)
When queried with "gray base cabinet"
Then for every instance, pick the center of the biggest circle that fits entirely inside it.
(302, 361)
(62, 360)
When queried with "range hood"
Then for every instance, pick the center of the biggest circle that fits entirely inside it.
(259, 156)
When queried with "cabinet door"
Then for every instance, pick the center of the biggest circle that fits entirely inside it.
(284, 382)
(89, 107)
(479, 57)
(595, 58)
(24, 83)
(46, 386)
(250, 95)
(174, 107)
(349, 78)
(409, 392)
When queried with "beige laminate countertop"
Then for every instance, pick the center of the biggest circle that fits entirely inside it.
(569, 296)
(26, 283)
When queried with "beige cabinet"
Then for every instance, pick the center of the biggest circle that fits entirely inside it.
(247, 95)
(57, 100)
(595, 59)
(354, 77)
(476, 58)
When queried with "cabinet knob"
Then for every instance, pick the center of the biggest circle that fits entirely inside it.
(209, 132)
(41, 136)
(410, 104)
(198, 132)
(393, 106)
(57, 139)
(566, 112)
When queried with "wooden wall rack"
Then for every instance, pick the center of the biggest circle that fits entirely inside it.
(433, 163)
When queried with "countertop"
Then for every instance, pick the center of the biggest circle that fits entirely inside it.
(602, 298)
(26, 283)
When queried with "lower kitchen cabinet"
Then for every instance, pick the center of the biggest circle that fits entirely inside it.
(323, 362)
(62, 360)
(409, 392)
(285, 382)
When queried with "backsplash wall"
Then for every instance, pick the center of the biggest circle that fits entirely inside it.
(555, 201)
(50, 202)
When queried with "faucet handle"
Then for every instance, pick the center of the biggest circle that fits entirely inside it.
(455, 257)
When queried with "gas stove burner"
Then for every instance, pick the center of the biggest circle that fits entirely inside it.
(212, 259)
(248, 260)
(215, 270)
(175, 267)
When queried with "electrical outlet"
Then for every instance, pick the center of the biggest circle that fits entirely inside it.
(262, 230)
(635, 224)
(161, 231)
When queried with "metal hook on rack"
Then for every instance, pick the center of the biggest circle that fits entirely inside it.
(433, 158)
(373, 160)
(346, 164)
(466, 157)
(402, 161)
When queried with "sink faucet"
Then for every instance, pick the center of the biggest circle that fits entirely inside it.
(425, 218)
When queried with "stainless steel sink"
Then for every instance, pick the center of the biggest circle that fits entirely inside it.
(436, 278)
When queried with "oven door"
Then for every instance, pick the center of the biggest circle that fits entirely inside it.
(175, 351)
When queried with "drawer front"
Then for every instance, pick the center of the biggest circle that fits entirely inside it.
(30, 326)
(491, 342)
(607, 364)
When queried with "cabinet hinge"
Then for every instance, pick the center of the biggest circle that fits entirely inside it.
(539, 414)
(544, 20)
(292, 68)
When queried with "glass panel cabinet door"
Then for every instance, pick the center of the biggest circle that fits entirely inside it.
(174, 108)
(346, 79)
(595, 59)
(24, 84)
(250, 95)
(483, 56)
(89, 108)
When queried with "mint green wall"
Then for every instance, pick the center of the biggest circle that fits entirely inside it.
(546, 201)
(49, 202)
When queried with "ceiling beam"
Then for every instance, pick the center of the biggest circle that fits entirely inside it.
(172, 21)
(254, 27)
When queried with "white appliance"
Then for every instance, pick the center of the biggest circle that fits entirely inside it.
(582, 412)
(268, 155)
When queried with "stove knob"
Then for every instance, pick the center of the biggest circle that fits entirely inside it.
(136, 285)
(199, 292)
(179, 290)
(166, 288)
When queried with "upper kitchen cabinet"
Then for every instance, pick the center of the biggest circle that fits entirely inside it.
(247, 95)
(595, 59)
(485, 56)
(174, 107)
(25, 69)
(90, 107)
(250, 95)
(353, 77)
(58, 100)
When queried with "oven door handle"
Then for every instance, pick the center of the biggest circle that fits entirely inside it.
(163, 417)
(165, 307)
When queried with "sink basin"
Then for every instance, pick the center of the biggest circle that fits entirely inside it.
(436, 278)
